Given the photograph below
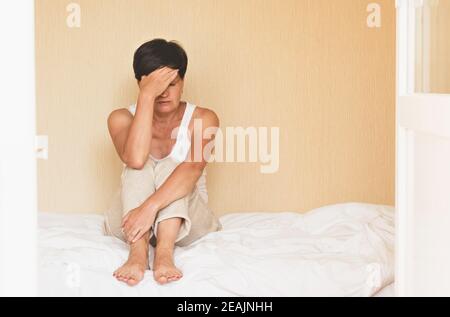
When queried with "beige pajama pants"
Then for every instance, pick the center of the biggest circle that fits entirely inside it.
(138, 185)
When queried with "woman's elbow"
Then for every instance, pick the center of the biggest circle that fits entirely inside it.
(134, 163)
(135, 166)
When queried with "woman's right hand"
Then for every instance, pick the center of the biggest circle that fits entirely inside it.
(157, 82)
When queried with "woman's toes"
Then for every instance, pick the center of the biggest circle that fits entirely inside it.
(132, 282)
(162, 279)
(174, 276)
(178, 276)
(122, 277)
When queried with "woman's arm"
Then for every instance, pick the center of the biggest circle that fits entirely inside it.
(132, 136)
(137, 145)
(119, 122)
(179, 184)
(185, 176)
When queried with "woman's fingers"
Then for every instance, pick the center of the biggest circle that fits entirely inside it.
(127, 229)
(164, 73)
(125, 219)
(159, 80)
(134, 236)
(162, 69)
(171, 75)
(165, 70)
(138, 236)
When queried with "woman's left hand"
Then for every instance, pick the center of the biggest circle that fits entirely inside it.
(137, 222)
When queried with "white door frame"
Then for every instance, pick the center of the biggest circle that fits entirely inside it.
(415, 112)
(18, 186)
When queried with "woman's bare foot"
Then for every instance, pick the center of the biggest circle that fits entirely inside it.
(164, 270)
(132, 272)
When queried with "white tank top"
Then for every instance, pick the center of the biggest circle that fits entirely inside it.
(182, 145)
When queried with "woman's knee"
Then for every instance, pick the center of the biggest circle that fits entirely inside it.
(147, 172)
(143, 179)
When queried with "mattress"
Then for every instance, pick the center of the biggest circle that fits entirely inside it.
(336, 250)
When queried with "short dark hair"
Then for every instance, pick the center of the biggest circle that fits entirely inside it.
(159, 53)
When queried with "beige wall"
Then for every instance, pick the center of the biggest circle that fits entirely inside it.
(440, 47)
(432, 47)
(311, 67)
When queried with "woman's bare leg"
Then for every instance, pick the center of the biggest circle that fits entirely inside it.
(132, 272)
(164, 269)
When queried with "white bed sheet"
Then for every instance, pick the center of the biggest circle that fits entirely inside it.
(337, 250)
(388, 291)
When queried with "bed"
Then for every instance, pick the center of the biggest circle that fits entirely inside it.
(336, 250)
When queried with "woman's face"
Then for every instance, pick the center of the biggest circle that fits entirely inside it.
(169, 100)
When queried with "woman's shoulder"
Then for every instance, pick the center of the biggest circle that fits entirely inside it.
(205, 114)
(120, 115)
(131, 109)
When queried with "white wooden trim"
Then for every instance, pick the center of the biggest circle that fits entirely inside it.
(426, 49)
(403, 88)
(18, 185)
(401, 213)
(425, 112)
(402, 48)
(415, 113)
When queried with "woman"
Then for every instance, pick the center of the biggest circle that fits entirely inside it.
(162, 201)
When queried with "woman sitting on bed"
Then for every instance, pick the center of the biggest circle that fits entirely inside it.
(162, 200)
